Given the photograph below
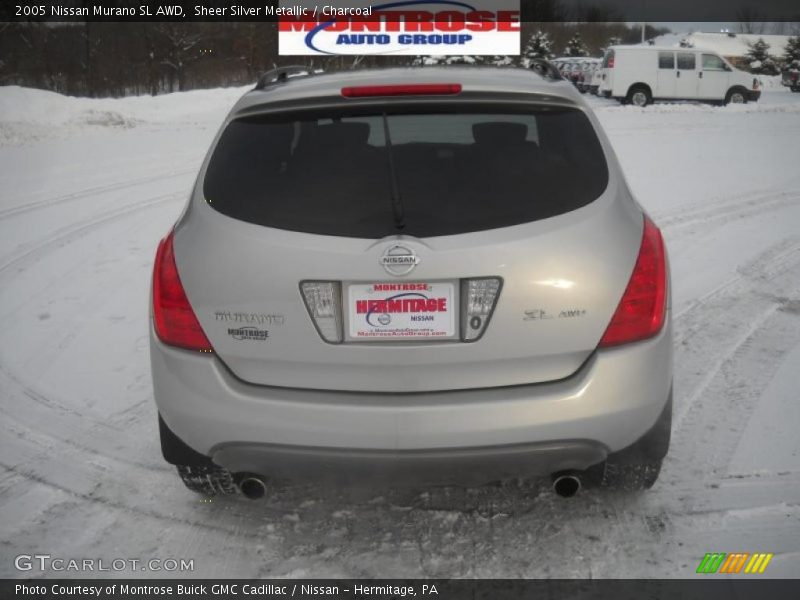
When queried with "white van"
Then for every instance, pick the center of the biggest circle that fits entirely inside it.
(641, 74)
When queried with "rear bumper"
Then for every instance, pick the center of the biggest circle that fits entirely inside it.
(452, 465)
(612, 401)
(753, 95)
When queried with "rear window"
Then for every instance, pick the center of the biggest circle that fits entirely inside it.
(435, 173)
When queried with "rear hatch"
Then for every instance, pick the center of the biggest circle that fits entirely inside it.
(407, 246)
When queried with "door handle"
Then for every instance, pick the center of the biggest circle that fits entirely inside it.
(700, 74)
(678, 73)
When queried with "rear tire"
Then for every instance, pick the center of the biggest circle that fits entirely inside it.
(208, 480)
(637, 467)
(736, 96)
(631, 478)
(639, 96)
(196, 470)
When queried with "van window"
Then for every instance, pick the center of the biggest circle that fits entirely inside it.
(712, 62)
(608, 60)
(452, 169)
(686, 61)
(666, 60)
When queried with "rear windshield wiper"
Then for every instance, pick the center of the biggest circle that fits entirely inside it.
(397, 202)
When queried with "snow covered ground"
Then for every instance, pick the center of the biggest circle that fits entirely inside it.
(88, 188)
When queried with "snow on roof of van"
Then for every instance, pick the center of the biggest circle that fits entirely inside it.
(726, 44)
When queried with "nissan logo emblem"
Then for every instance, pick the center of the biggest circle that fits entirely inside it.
(399, 260)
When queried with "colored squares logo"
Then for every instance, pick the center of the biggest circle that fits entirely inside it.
(735, 563)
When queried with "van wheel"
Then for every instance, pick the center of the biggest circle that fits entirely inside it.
(735, 96)
(639, 95)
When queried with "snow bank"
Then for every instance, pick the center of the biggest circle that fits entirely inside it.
(697, 107)
(28, 114)
(726, 44)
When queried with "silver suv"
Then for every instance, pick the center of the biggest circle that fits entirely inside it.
(437, 274)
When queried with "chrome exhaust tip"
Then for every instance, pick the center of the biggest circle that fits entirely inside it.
(252, 487)
(566, 484)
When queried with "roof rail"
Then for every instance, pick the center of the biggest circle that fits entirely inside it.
(282, 74)
(545, 68)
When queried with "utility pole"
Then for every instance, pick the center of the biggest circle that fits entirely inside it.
(643, 29)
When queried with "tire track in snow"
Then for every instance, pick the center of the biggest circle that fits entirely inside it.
(96, 498)
(729, 347)
(38, 407)
(68, 233)
(89, 193)
(723, 211)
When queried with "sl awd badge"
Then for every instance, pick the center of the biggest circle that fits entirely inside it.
(399, 260)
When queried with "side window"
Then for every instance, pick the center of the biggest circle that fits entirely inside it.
(666, 60)
(686, 61)
(712, 62)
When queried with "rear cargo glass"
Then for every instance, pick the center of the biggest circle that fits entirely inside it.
(446, 172)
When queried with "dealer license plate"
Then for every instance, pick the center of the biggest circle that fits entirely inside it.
(382, 311)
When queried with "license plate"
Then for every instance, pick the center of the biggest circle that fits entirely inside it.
(382, 311)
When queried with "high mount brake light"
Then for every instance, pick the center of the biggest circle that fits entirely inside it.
(174, 320)
(641, 311)
(415, 89)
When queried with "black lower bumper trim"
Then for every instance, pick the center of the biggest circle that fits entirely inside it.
(445, 466)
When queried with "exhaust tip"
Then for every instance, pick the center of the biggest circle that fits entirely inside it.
(252, 487)
(566, 485)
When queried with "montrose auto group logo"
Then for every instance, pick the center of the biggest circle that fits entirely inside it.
(400, 27)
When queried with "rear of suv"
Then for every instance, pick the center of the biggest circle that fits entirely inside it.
(395, 274)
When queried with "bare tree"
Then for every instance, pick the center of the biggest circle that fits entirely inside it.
(750, 21)
(181, 48)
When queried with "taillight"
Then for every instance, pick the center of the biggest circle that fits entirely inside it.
(755, 84)
(641, 311)
(174, 320)
(477, 302)
(323, 301)
(414, 89)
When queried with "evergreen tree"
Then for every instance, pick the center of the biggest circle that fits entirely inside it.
(792, 54)
(437, 61)
(576, 47)
(759, 59)
(539, 46)
(498, 60)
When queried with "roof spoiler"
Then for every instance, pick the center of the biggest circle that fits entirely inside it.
(545, 68)
(282, 74)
